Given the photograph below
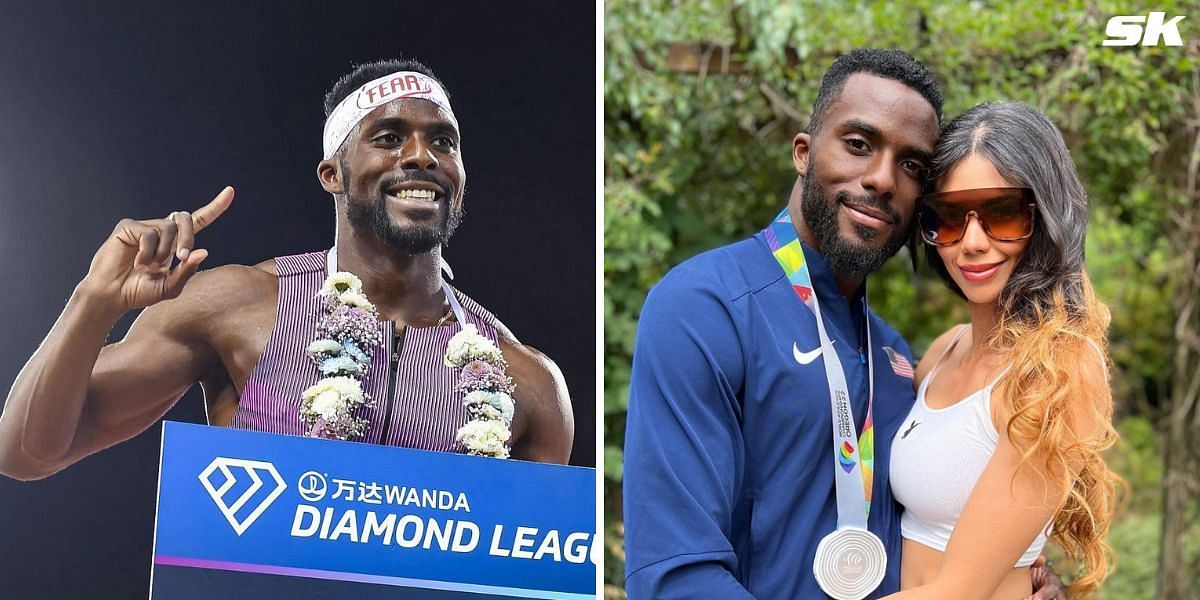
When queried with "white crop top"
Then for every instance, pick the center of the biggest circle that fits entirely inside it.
(937, 456)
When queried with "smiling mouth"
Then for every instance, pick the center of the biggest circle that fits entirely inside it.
(871, 217)
(979, 272)
(416, 193)
(409, 194)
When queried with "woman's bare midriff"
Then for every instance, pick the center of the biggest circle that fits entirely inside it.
(920, 563)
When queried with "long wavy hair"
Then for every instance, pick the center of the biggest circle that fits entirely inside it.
(1049, 323)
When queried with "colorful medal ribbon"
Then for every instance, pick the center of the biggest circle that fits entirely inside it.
(849, 452)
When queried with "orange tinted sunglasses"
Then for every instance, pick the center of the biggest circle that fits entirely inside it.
(1006, 214)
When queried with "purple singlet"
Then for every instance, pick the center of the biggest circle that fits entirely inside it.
(417, 402)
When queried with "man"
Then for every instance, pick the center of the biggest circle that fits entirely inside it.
(729, 475)
(392, 163)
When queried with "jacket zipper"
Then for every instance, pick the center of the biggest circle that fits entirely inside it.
(393, 366)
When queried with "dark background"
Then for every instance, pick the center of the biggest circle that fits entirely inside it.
(110, 111)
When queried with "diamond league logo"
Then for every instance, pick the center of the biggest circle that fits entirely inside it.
(233, 473)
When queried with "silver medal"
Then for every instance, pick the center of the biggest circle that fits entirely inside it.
(850, 563)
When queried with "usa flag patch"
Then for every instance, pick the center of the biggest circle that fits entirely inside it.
(899, 362)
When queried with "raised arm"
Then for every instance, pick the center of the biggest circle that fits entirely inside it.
(1010, 504)
(76, 396)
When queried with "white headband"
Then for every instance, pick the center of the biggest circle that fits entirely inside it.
(351, 110)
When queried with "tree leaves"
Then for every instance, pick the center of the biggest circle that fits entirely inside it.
(696, 160)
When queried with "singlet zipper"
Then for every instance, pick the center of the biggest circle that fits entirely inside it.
(393, 366)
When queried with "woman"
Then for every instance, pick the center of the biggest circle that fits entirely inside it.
(1002, 447)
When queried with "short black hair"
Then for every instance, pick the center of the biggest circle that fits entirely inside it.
(365, 72)
(887, 63)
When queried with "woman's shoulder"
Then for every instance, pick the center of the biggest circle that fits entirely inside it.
(938, 348)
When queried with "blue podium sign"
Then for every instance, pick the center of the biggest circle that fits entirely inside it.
(285, 516)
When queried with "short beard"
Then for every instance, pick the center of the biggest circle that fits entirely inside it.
(412, 240)
(845, 257)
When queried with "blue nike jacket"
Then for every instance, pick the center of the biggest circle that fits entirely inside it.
(729, 460)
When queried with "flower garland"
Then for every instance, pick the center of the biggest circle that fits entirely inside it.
(488, 388)
(346, 335)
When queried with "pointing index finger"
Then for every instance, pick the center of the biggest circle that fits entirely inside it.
(205, 215)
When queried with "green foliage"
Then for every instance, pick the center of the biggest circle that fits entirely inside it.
(1137, 457)
(1134, 540)
(696, 160)
(1134, 536)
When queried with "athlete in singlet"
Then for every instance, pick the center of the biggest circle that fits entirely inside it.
(396, 176)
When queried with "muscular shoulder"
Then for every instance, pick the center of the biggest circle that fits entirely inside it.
(534, 372)
(216, 293)
(231, 286)
(542, 394)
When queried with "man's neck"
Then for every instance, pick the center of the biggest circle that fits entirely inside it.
(404, 287)
(849, 286)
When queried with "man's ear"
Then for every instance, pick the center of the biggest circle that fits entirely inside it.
(329, 173)
(800, 148)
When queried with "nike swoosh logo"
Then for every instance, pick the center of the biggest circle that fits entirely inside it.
(805, 357)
